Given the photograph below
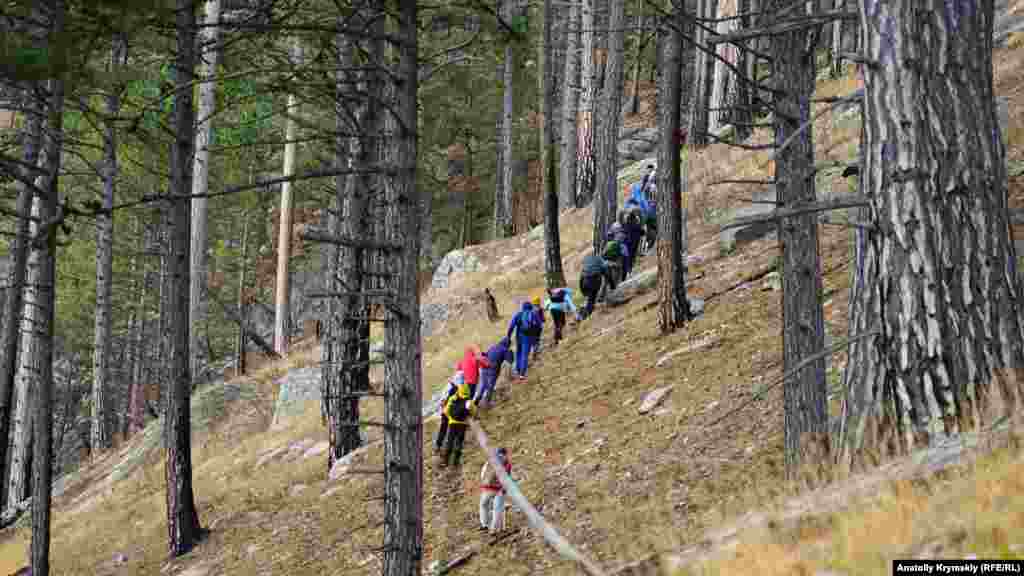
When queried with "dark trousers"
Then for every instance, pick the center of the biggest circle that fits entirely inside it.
(456, 437)
(590, 287)
(441, 433)
(559, 317)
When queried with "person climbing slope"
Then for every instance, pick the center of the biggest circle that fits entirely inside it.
(538, 311)
(593, 274)
(454, 383)
(559, 301)
(633, 224)
(525, 326)
(458, 411)
(497, 355)
(616, 251)
(470, 366)
(492, 494)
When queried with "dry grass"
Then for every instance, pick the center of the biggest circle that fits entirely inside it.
(618, 484)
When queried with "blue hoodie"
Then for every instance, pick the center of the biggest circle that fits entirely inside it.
(523, 313)
(499, 354)
(640, 196)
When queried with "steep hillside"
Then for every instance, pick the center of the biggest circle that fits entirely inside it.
(620, 484)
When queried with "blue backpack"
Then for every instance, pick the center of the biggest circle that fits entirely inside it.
(530, 324)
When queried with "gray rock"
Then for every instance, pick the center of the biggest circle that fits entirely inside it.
(432, 316)
(732, 238)
(653, 399)
(454, 262)
(637, 284)
(295, 389)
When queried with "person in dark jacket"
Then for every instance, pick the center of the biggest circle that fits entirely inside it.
(633, 224)
(496, 356)
(525, 335)
(458, 411)
(454, 383)
(594, 273)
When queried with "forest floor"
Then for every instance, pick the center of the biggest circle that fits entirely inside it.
(618, 484)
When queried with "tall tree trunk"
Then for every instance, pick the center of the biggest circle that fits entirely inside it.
(607, 129)
(11, 330)
(697, 132)
(42, 356)
(282, 292)
(182, 519)
(570, 98)
(673, 307)
(503, 222)
(805, 394)
(132, 338)
(243, 313)
(101, 380)
(208, 60)
(938, 268)
(137, 392)
(403, 436)
(634, 102)
(722, 78)
(552, 243)
(588, 95)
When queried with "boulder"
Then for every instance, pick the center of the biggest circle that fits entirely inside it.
(454, 263)
(632, 287)
(732, 238)
(653, 398)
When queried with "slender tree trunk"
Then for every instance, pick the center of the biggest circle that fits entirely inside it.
(673, 307)
(697, 133)
(132, 338)
(938, 264)
(403, 438)
(42, 356)
(101, 381)
(11, 330)
(552, 243)
(243, 313)
(634, 103)
(137, 392)
(805, 395)
(183, 527)
(503, 221)
(282, 292)
(607, 129)
(209, 57)
(588, 94)
(722, 78)
(570, 98)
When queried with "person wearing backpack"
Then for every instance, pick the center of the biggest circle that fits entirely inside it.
(525, 324)
(492, 494)
(616, 251)
(634, 228)
(593, 274)
(558, 302)
(458, 410)
(497, 355)
(540, 319)
(454, 383)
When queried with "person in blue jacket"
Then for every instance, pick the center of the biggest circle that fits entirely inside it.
(497, 355)
(524, 325)
(559, 301)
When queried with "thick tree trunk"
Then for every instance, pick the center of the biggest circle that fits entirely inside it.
(183, 528)
(101, 380)
(282, 291)
(607, 129)
(938, 263)
(552, 243)
(403, 436)
(570, 98)
(42, 356)
(673, 307)
(11, 330)
(805, 394)
(209, 57)
(588, 95)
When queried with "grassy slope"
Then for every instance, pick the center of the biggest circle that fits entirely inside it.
(618, 484)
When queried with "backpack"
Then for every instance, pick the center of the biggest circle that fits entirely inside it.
(558, 296)
(530, 324)
(458, 410)
(612, 251)
(633, 216)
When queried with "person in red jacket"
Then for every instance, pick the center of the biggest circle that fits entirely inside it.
(470, 366)
(492, 495)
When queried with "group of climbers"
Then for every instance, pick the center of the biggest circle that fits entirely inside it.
(474, 381)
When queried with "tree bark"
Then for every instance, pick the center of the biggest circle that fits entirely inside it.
(42, 356)
(607, 129)
(634, 101)
(242, 312)
(805, 395)
(570, 98)
(101, 381)
(588, 94)
(403, 436)
(938, 263)
(503, 226)
(282, 292)
(697, 132)
(673, 307)
(208, 60)
(12, 339)
(552, 243)
(183, 527)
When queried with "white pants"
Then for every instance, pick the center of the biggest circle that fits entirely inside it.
(492, 510)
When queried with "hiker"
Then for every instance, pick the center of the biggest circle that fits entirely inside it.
(458, 411)
(454, 383)
(492, 495)
(526, 327)
(616, 251)
(559, 300)
(538, 311)
(496, 355)
(470, 366)
(651, 226)
(633, 224)
(594, 273)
